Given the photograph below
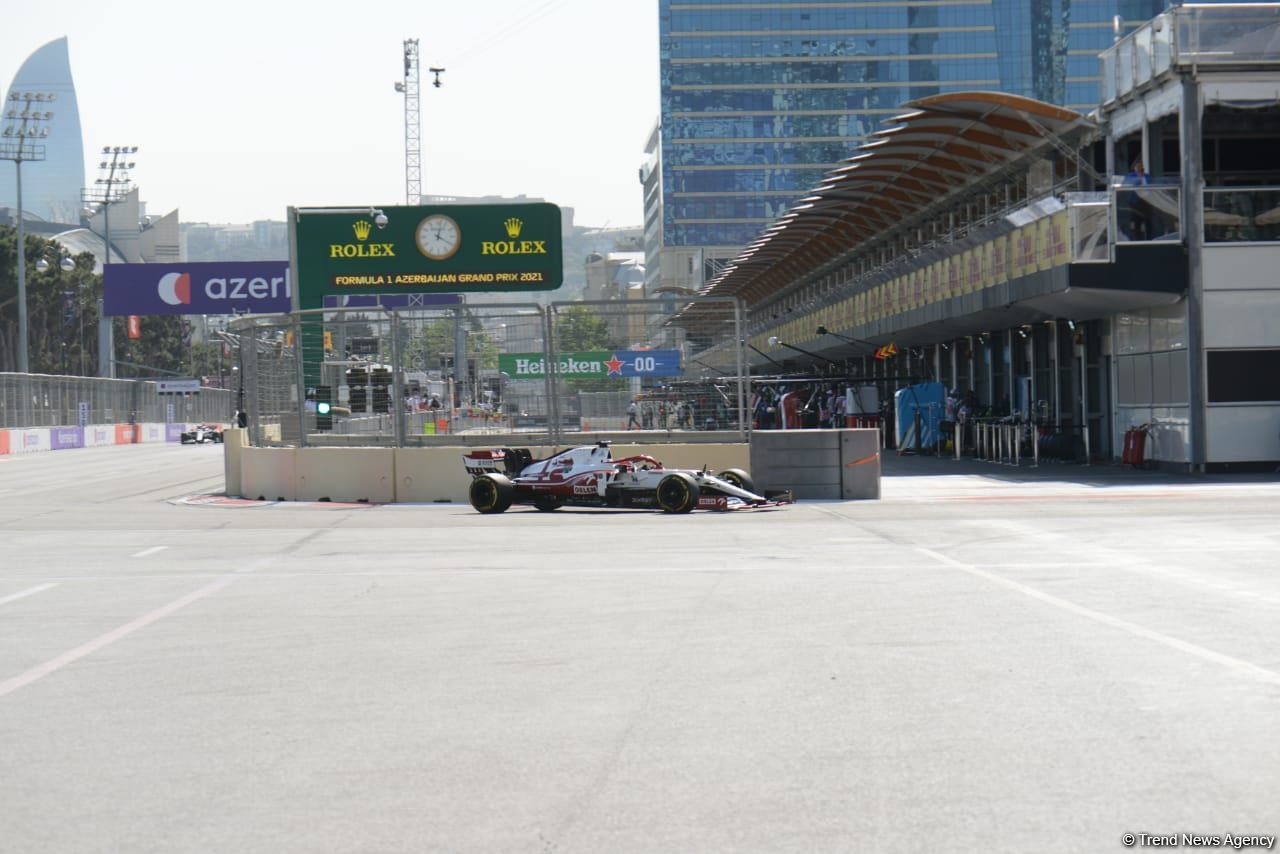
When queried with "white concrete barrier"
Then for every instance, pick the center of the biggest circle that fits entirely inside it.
(832, 464)
(30, 440)
(96, 435)
(345, 474)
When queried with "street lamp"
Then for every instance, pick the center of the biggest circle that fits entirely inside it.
(42, 266)
(23, 124)
(110, 187)
(822, 330)
(763, 353)
(69, 308)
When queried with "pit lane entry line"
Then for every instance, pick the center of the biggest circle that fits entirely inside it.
(30, 591)
(1240, 666)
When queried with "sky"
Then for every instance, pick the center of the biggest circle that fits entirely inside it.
(241, 109)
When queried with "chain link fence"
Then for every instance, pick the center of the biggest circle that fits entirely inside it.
(40, 400)
(405, 377)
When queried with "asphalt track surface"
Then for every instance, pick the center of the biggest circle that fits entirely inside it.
(985, 660)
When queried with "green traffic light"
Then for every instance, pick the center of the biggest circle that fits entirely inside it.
(323, 408)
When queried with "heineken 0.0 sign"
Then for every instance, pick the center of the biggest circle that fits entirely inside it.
(596, 364)
(426, 249)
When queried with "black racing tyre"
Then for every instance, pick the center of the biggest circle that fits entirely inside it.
(677, 493)
(548, 503)
(738, 478)
(491, 493)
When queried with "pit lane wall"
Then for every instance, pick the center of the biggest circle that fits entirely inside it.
(30, 440)
(812, 463)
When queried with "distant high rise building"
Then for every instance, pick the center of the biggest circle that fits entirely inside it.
(760, 98)
(51, 187)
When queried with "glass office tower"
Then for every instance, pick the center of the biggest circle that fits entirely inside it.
(759, 99)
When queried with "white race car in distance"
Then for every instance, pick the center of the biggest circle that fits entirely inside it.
(588, 476)
(202, 433)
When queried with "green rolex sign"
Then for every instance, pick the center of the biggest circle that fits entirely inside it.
(427, 249)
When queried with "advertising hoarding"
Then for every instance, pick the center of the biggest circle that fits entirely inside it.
(427, 249)
(594, 364)
(223, 287)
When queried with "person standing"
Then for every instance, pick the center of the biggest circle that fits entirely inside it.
(949, 409)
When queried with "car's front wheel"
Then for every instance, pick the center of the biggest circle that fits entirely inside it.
(677, 493)
(738, 478)
(491, 493)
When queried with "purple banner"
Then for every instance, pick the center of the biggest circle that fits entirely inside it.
(173, 432)
(231, 287)
(62, 438)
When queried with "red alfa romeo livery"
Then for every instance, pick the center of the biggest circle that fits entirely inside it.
(588, 476)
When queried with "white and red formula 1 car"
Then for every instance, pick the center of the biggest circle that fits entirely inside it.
(588, 476)
(202, 433)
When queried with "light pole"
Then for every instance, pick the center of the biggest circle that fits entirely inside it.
(822, 330)
(23, 124)
(68, 297)
(775, 341)
(109, 188)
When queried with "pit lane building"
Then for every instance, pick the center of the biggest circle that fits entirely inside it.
(1016, 249)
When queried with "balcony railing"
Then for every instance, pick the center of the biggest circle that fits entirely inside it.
(1217, 35)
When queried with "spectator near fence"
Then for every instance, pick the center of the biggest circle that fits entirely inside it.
(950, 408)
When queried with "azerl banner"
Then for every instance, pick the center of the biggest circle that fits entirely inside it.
(231, 287)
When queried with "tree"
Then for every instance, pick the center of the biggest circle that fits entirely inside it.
(62, 310)
(62, 321)
(432, 347)
(579, 328)
(163, 349)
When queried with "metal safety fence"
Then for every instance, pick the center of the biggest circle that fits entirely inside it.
(1018, 442)
(41, 400)
(406, 376)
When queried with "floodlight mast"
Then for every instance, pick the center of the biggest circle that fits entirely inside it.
(109, 187)
(24, 124)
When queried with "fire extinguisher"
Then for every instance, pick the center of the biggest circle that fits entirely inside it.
(1135, 446)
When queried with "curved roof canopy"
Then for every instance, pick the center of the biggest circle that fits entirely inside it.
(943, 144)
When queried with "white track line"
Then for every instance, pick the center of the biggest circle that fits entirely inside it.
(150, 551)
(30, 591)
(1238, 665)
(40, 671)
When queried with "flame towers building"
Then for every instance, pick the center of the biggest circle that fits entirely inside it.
(50, 187)
(760, 98)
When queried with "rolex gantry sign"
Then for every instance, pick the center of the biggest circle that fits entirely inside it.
(427, 249)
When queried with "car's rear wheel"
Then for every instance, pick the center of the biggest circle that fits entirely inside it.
(738, 478)
(547, 503)
(491, 493)
(677, 493)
